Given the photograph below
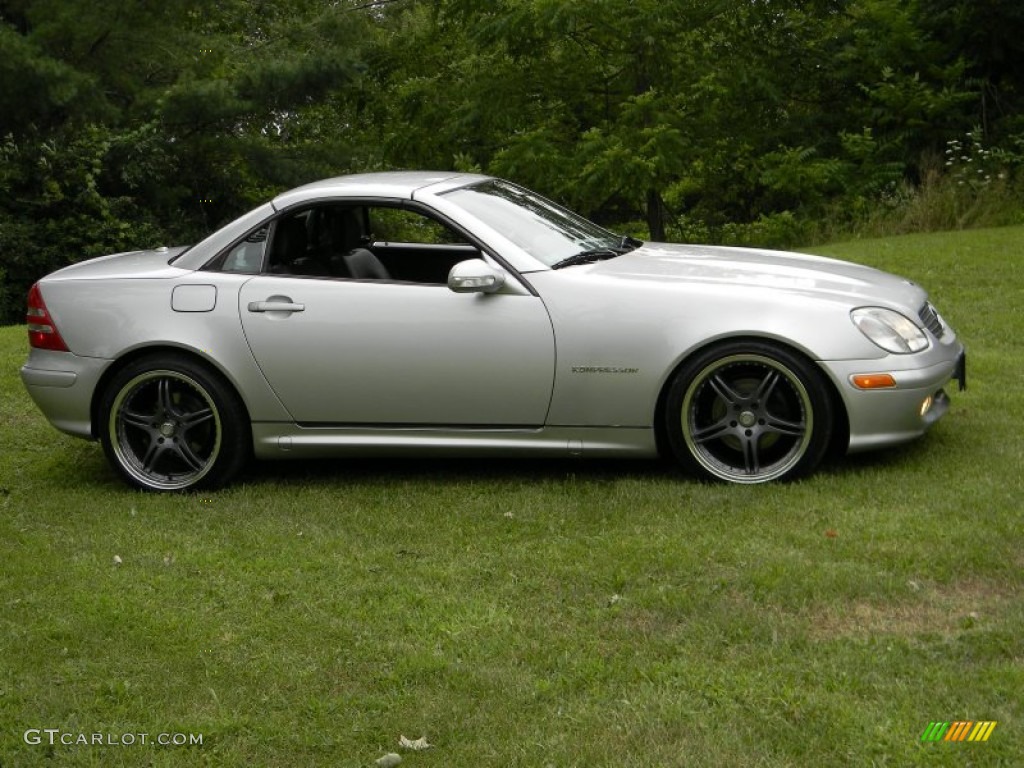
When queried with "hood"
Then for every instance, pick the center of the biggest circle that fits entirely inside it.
(145, 264)
(749, 268)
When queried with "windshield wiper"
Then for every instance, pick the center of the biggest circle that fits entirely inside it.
(586, 257)
(626, 244)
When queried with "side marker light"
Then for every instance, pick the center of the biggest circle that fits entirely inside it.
(873, 381)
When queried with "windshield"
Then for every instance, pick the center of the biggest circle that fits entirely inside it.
(545, 230)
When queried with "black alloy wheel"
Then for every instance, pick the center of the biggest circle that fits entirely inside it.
(749, 412)
(171, 424)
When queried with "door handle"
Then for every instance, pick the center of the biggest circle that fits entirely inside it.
(275, 306)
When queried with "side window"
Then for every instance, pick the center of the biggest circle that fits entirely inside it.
(324, 241)
(247, 256)
(289, 252)
(414, 247)
(351, 241)
(396, 225)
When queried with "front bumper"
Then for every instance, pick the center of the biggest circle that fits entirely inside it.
(890, 416)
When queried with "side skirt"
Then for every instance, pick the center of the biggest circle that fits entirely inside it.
(282, 441)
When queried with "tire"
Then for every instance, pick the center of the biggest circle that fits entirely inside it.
(749, 412)
(171, 424)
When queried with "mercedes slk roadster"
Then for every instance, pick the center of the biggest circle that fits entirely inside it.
(443, 314)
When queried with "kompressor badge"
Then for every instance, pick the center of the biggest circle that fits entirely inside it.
(602, 369)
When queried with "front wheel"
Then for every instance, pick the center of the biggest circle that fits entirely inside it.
(749, 412)
(169, 424)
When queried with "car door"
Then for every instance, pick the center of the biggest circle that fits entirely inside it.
(378, 352)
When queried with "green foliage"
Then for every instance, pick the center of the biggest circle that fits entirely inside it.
(795, 175)
(37, 90)
(777, 230)
(130, 123)
(55, 213)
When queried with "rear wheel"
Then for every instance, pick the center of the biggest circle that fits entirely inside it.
(170, 424)
(749, 412)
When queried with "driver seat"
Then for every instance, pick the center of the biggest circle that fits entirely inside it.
(360, 262)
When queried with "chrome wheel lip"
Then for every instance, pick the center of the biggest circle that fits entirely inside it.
(748, 420)
(166, 425)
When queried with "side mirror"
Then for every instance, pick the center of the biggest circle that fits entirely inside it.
(475, 276)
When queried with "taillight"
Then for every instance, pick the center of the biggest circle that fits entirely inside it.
(42, 332)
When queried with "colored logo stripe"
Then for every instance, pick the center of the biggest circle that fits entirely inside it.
(934, 731)
(960, 730)
(982, 731)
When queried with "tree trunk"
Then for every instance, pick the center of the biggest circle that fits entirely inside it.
(655, 216)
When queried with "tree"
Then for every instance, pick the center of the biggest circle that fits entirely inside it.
(129, 124)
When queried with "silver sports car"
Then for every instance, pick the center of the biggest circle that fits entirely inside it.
(455, 314)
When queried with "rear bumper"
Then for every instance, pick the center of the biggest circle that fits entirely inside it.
(62, 384)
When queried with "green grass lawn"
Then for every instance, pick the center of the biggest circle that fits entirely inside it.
(535, 613)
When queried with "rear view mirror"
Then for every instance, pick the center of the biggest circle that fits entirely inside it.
(475, 276)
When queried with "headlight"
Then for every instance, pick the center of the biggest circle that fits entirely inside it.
(890, 330)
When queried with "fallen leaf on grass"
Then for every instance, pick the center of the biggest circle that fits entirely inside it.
(416, 746)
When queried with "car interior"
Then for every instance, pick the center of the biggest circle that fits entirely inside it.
(365, 243)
